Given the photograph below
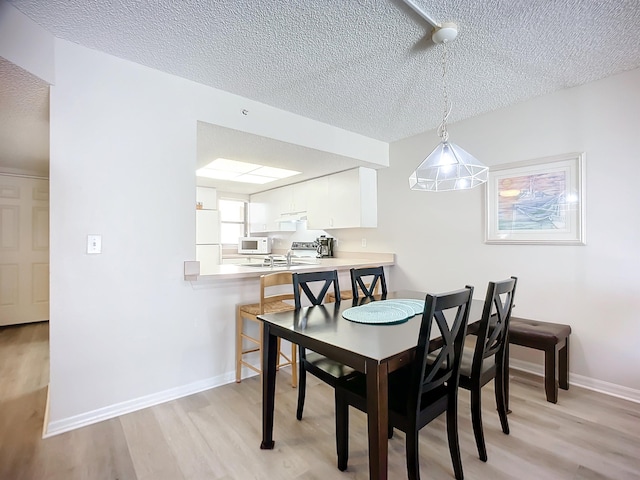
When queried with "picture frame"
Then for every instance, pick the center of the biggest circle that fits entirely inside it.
(537, 202)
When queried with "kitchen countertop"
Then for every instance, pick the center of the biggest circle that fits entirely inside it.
(343, 262)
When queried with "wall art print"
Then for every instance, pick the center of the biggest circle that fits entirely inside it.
(537, 201)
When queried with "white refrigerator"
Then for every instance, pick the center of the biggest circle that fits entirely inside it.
(207, 240)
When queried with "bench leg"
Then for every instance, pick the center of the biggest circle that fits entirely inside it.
(563, 365)
(550, 384)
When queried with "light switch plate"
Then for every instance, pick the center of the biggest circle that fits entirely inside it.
(94, 244)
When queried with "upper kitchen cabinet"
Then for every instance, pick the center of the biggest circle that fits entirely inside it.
(275, 210)
(266, 208)
(343, 200)
(352, 200)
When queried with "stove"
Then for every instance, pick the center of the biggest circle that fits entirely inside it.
(304, 249)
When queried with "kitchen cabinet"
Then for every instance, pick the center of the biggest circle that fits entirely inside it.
(266, 208)
(351, 201)
(318, 215)
(342, 200)
(299, 197)
(273, 210)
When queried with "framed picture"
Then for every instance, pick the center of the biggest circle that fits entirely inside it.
(537, 202)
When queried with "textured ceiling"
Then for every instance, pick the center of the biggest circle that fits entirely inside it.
(367, 66)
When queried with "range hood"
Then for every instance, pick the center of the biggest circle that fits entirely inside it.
(292, 217)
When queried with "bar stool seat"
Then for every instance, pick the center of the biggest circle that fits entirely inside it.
(272, 300)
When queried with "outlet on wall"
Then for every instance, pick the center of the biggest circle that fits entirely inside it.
(364, 242)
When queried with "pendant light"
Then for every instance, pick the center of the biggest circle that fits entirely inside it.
(448, 167)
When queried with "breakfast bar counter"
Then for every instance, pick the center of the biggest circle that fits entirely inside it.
(343, 262)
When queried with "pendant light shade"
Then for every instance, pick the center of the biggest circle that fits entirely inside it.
(448, 167)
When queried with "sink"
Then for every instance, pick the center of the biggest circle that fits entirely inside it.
(278, 264)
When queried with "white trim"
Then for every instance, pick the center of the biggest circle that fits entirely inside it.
(101, 414)
(24, 175)
(581, 381)
(71, 423)
(46, 414)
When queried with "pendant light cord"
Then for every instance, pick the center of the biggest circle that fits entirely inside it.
(442, 129)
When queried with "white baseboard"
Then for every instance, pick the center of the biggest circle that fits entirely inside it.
(582, 381)
(71, 423)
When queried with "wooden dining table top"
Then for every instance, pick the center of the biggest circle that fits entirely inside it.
(324, 325)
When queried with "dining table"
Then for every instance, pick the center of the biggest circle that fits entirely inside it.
(373, 349)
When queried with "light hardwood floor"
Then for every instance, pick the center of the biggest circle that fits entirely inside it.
(215, 435)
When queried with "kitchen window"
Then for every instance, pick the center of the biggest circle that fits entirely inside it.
(233, 220)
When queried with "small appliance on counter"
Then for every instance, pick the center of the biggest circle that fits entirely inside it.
(254, 245)
(325, 246)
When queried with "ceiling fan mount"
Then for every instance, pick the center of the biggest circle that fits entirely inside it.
(442, 33)
(445, 33)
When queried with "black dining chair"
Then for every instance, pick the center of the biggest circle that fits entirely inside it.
(368, 281)
(314, 286)
(421, 391)
(486, 360)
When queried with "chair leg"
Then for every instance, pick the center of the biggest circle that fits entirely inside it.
(411, 447)
(501, 399)
(506, 377)
(342, 430)
(454, 443)
(476, 420)
(260, 351)
(239, 323)
(302, 386)
(294, 366)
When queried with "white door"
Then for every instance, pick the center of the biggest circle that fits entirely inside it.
(24, 250)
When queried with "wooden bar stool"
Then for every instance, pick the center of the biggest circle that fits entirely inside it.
(272, 300)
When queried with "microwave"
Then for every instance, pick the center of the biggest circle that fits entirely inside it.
(254, 245)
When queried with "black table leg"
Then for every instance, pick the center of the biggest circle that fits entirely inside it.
(378, 419)
(269, 358)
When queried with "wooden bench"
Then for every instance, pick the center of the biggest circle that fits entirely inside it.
(553, 339)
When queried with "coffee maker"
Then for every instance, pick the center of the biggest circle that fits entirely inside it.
(325, 246)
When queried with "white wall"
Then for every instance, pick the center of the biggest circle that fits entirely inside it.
(126, 330)
(438, 237)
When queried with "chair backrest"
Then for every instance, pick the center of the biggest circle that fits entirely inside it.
(325, 280)
(494, 326)
(375, 281)
(270, 294)
(449, 312)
